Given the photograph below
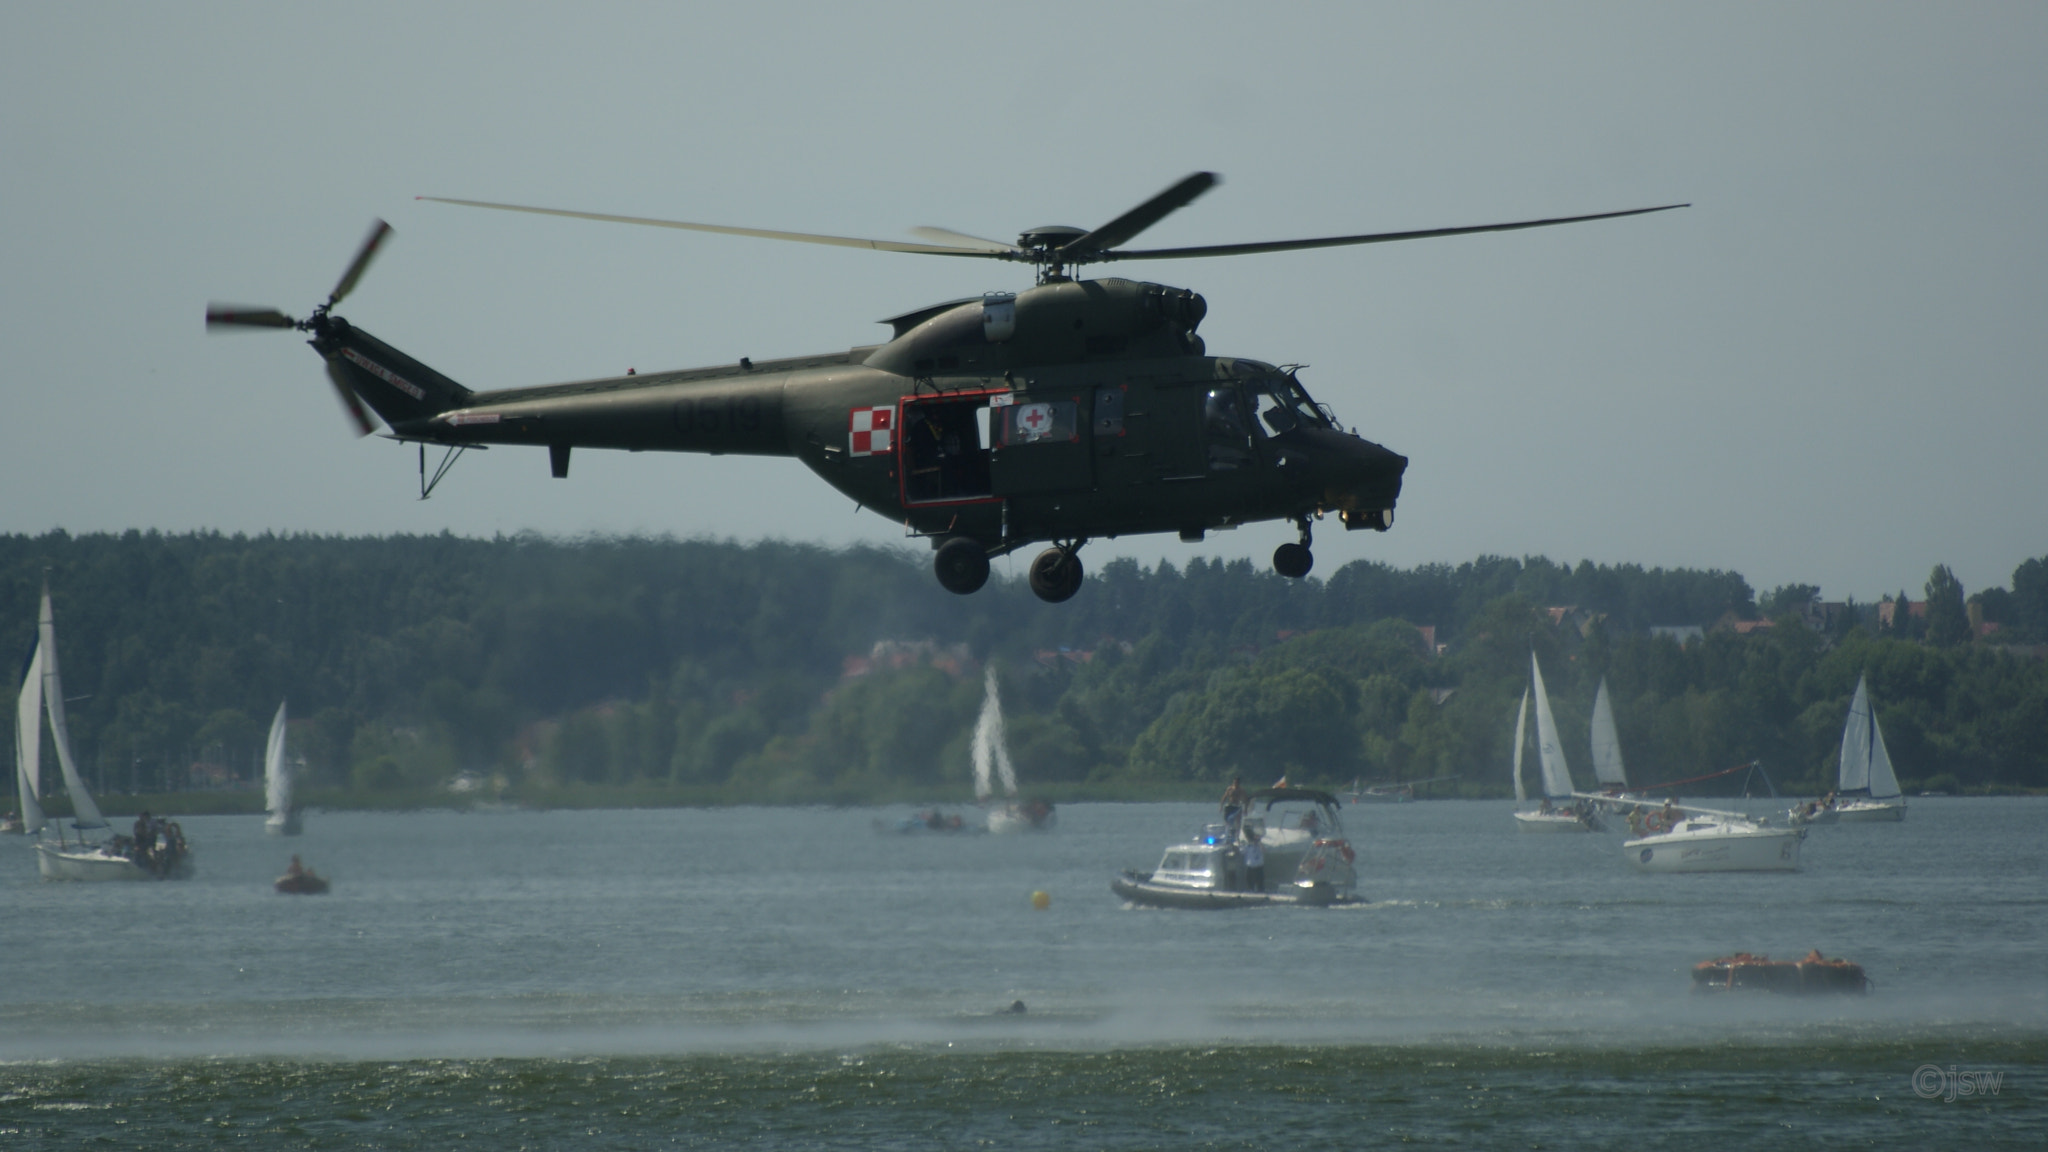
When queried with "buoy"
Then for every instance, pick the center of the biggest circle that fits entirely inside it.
(1041, 900)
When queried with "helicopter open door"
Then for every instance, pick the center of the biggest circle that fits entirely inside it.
(1039, 443)
(944, 451)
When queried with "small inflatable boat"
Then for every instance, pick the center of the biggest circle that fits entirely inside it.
(1743, 972)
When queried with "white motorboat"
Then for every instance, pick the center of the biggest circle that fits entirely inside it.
(1559, 810)
(1866, 790)
(164, 855)
(1701, 840)
(992, 760)
(284, 819)
(1308, 860)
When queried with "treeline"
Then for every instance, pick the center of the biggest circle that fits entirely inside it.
(717, 668)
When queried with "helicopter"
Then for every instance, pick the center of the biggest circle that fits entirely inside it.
(1072, 410)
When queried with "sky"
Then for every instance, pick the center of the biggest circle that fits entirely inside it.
(1828, 370)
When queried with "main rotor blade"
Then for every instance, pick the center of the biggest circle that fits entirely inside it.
(372, 242)
(763, 233)
(961, 239)
(243, 316)
(350, 402)
(1145, 215)
(1370, 238)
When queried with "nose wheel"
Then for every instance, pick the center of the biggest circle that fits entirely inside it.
(1056, 572)
(1294, 560)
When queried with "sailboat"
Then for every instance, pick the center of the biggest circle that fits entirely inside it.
(1866, 791)
(992, 759)
(42, 694)
(1572, 816)
(277, 783)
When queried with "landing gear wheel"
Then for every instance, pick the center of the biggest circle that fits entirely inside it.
(961, 565)
(1293, 560)
(1056, 575)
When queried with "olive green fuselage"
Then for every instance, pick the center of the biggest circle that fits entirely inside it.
(1073, 410)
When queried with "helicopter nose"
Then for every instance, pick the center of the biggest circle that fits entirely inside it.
(1371, 485)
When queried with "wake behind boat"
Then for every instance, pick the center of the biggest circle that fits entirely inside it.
(1293, 851)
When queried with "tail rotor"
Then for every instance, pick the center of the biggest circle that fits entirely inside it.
(220, 317)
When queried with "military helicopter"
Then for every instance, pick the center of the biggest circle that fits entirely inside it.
(1071, 410)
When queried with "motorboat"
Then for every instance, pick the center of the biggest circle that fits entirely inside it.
(1392, 792)
(1560, 809)
(299, 880)
(1866, 789)
(157, 851)
(926, 820)
(1381, 793)
(1675, 838)
(1308, 860)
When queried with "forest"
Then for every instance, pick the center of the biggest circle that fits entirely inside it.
(704, 671)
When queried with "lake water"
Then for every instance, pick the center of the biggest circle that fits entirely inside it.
(792, 978)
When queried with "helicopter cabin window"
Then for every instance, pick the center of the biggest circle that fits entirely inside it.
(1041, 422)
(944, 455)
(1224, 426)
(1283, 406)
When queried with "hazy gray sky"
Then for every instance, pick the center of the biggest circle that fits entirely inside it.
(1828, 370)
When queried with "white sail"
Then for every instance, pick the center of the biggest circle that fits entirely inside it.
(991, 751)
(28, 745)
(1883, 784)
(1557, 776)
(277, 779)
(1854, 775)
(85, 813)
(1521, 738)
(1606, 745)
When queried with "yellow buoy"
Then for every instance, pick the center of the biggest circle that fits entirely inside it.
(1040, 900)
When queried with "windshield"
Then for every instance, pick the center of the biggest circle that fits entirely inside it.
(1284, 405)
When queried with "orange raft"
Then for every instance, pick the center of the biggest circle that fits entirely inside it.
(1743, 972)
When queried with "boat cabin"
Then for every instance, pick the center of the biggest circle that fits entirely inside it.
(1203, 863)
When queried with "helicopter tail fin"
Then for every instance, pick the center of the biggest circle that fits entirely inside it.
(399, 388)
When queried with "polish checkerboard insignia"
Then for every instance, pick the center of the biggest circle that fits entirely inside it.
(868, 431)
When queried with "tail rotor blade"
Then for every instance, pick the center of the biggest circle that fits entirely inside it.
(350, 402)
(244, 316)
(375, 240)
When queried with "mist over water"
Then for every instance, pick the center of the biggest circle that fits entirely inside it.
(688, 931)
(784, 939)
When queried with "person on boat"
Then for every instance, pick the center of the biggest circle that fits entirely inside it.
(1543, 809)
(1234, 800)
(297, 869)
(1254, 863)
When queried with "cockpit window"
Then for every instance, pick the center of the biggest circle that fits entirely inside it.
(1284, 406)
